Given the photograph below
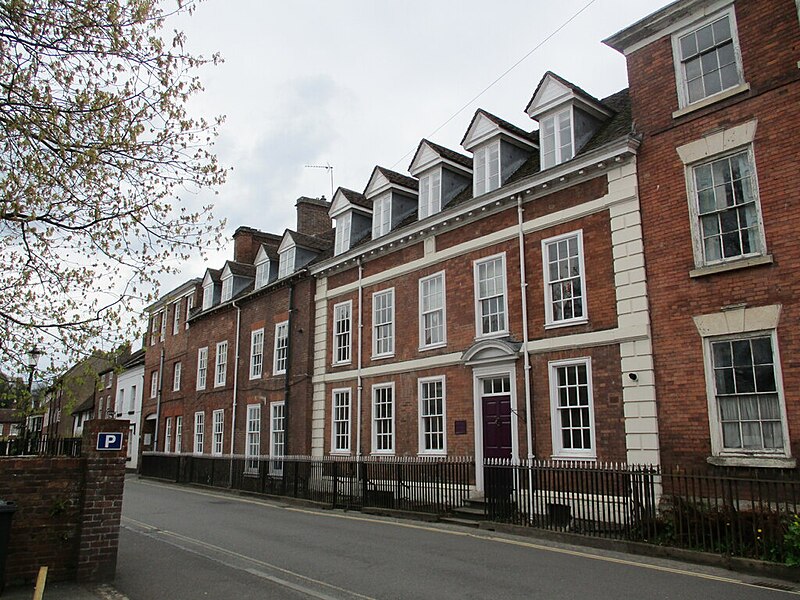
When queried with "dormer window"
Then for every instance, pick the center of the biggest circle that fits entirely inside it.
(262, 273)
(430, 194)
(343, 228)
(486, 163)
(381, 215)
(286, 264)
(227, 288)
(208, 295)
(556, 139)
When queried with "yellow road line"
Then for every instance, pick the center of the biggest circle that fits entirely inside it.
(491, 538)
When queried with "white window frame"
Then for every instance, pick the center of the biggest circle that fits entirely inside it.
(344, 224)
(262, 273)
(277, 437)
(227, 288)
(423, 313)
(341, 424)
(479, 332)
(189, 306)
(694, 210)
(154, 326)
(153, 384)
(430, 194)
(208, 296)
(257, 353)
(680, 72)
(381, 215)
(202, 367)
(221, 364)
(167, 434)
(163, 333)
(199, 431)
(286, 263)
(717, 442)
(555, 413)
(252, 446)
(383, 345)
(176, 317)
(178, 433)
(426, 419)
(342, 333)
(176, 376)
(218, 432)
(386, 449)
(484, 179)
(280, 357)
(562, 149)
(549, 301)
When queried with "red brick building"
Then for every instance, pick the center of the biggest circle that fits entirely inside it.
(229, 361)
(715, 89)
(494, 304)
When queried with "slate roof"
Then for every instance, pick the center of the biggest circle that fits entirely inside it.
(451, 155)
(577, 90)
(532, 136)
(86, 405)
(309, 241)
(356, 198)
(215, 274)
(136, 359)
(241, 269)
(271, 252)
(619, 125)
(398, 178)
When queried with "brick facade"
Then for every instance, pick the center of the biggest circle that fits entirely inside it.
(768, 36)
(68, 513)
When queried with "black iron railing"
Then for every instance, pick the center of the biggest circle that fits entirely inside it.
(429, 485)
(733, 513)
(41, 446)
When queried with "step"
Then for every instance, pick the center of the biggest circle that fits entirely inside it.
(471, 512)
(463, 522)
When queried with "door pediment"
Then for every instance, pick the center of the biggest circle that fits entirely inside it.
(491, 351)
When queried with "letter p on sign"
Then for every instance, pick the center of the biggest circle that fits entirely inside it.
(109, 441)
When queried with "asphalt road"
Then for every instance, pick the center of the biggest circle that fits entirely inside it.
(184, 543)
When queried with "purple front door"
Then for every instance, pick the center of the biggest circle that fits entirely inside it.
(497, 426)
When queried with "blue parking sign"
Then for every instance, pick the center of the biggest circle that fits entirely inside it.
(109, 441)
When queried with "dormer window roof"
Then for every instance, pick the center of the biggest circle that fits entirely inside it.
(439, 170)
(567, 116)
(263, 265)
(211, 283)
(235, 278)
(297, 250)
(499, 148)
(393, 197)
(352, 212)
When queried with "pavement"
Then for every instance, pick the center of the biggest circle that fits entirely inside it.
(65, 591)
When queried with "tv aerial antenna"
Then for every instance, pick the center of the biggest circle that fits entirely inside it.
(328, 167)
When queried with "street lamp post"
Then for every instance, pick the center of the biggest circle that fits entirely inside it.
(33, 359)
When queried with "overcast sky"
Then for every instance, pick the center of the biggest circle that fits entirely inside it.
(356, 84)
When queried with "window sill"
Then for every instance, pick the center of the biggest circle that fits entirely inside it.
(381, 356)
(342, 364)
(583, 458)
(340, 453)
(432, 347)
(559, 324)
(742, 87)
(256, 378)
(768, 462)
(731, 266)
(491, 336)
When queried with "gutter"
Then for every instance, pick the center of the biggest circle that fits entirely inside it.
(360, 384)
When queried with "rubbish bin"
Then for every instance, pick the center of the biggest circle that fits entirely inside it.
(7, 510)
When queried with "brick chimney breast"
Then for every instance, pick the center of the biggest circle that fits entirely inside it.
(312, 216)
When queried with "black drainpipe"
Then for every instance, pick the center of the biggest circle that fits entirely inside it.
(288, 371)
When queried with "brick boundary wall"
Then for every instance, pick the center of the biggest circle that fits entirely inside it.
(68, 511)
